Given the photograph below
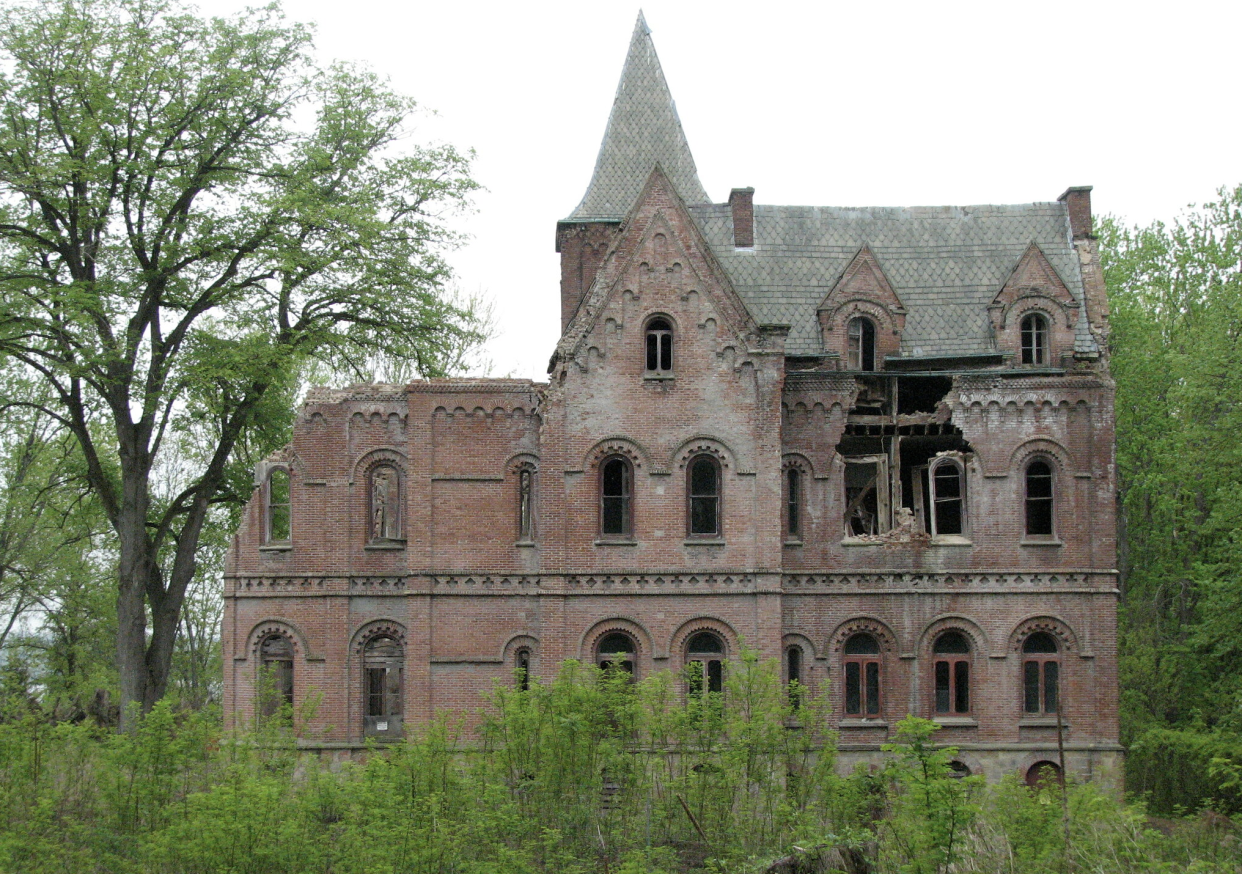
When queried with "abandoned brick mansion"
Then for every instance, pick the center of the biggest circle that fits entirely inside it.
(873, 443)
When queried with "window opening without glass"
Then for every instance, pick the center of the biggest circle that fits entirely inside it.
(383, 667)
(952, 673)
(276, 660)
(793, 504)
(861, 344)
(704, 490)
(616, 650)
(1034, 339)
(616, 510)
(862, 676)
(278, 506)
(1041, 674)
(705, 663)
(1039, 499)
(659, 347)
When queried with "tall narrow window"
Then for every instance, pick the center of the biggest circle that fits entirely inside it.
(952, 673)
(276, 679)
(616, 650)
(616, 516)
(526, 504)
(522, 667)
(278, 505)
(1041, 674)
(659, 347)
(948, 498)
(793, 504)
(383, 664)
(793, 675)
(705, 663)
(1034, 339)
(385, 497)
(862, 676)
(703, 481)
(861, 340)
(1039, 499)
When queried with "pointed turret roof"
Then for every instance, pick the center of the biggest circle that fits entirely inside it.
(643, 131)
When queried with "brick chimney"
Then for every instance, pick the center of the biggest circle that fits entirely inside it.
(742, 201)
(1078, 199)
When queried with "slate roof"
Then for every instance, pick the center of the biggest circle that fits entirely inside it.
(643, 130)
(945, 263)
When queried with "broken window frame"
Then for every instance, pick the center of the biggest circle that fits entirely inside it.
(954, 680)
(793, 504)
(278, 520)
(705, 656)
(1039, 507)
(1034, 339)
(521, 668)
(938, 500)
(1041, 674)
(276, 677)
(383, 691)
(658, 347)
(616, 507)
(860, 344)
(391, 530)
(703, 505)
(881, 484)
(862, 677)
(794, 680)
(617, 649)
(526, 489)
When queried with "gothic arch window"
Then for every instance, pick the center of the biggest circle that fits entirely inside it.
(948, 496)
(1034, 329)
(659, 347)
(794, 486)
(1039, 499)
(951, 660)
(526, 482)
(705, 654)
(275, 674)
(616, 498)
(703, 493)
(1041, 674)
(383, 665)
(861, 668)
(385, 504)
(521, 667)
(860, 343)
(279, 520)
(617, 650)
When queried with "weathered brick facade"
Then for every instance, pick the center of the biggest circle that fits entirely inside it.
(952, 471)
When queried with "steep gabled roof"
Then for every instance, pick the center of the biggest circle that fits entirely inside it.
(643, 131)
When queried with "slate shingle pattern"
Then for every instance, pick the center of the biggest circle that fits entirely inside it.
(945, 263)
(643, 130)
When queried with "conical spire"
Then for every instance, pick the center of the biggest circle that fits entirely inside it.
(643, 130)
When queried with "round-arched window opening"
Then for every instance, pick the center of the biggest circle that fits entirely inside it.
(1034, 339)
(1042, 774)
(276, 674)
(705, 663)
(861, 344)
(862, 675)
(616, 508)
(703, 480)
(958, 770)
(659, 347)
(1039, 499)
(951, 674)
(616, 650)
(1041, 674)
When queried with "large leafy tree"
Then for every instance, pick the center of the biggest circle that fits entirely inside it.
(190, 212)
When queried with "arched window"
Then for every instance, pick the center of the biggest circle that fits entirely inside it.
(1034, 339)
(616, 650)
(659, 347)
(948, 493)
(705, 663)
(793, 675)
(862, 676)
(276, 677)
(526, 503)
(793, 504)
(951, 673)
(1041, 674)
(278, 506)
(1039, 499)
(383, 666)
(861, 340)
(616, 512)
(385, 504)
(703, 489)
(522, 668)
(1042, 774)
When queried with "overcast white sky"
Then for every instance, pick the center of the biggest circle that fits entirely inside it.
(844, 104)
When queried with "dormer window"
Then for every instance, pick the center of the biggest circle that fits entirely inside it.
(861, 344)
(1034, 339)
(659, 347)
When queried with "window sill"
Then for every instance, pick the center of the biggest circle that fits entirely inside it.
(1051, 541)
(703, 541)
(855, 722)
(656, 376)
(380, 545)
(1041, 722)
(956, 721)
(858, 541)
(615, 541)
(951, 540)
(524, 544)
(793, 542)
(279, 546)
